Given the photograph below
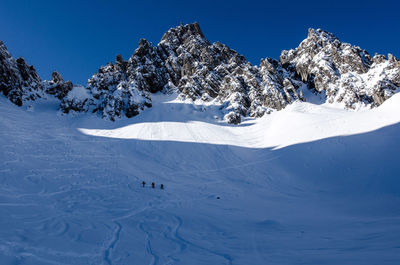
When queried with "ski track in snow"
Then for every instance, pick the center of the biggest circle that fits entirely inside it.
(71, 198)
(227, 257)
(114, 239)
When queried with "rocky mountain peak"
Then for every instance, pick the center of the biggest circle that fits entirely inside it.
(143, 48)
(186, 62)
(345, 73)
(183, 32)
(320, 37)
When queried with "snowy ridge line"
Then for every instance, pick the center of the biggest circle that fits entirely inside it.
(321, 69)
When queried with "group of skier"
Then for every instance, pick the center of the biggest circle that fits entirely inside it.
(153, 185)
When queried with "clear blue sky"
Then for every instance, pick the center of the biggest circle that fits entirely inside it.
(77, 37)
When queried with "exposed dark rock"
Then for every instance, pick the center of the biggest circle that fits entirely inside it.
(233, 118)
(57, 86)
(19, 82)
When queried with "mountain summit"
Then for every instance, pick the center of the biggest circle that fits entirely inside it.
(186, 62)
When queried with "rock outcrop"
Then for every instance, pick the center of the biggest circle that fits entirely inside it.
(119, 89)
(57, 86)
(345, 73)
(19, 82)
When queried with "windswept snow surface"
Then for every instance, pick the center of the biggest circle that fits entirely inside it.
(311, 184)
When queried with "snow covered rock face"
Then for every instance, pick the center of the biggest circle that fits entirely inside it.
(57, 86)
(116, 90)
(185, 60)
(19, 82)
(212, 73)
(346, 73)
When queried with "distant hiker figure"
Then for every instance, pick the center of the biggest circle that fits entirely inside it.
(153, 185)
(143, 183)
(162, 186)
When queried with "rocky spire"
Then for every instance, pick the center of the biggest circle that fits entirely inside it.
(57, 86)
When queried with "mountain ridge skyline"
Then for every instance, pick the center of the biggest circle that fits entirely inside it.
(126, 54)
(186, 62)
(66, 38)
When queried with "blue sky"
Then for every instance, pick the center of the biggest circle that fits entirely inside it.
(77, 37)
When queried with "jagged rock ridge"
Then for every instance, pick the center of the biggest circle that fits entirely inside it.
(185, 61)
(20, 82)
(346, 73)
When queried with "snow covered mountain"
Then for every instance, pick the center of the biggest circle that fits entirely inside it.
(185, 61)
(312, 182)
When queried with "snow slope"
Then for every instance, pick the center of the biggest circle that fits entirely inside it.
(298, 123)
(311, 184)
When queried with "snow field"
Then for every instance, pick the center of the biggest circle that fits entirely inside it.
(311, 184)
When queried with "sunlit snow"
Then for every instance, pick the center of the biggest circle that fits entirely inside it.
(311, 184)
(298, 123)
